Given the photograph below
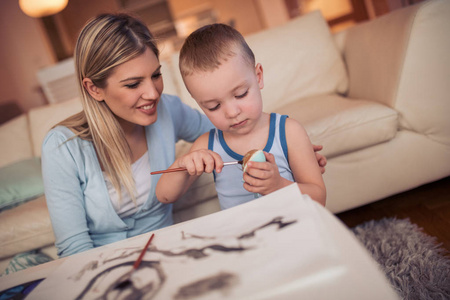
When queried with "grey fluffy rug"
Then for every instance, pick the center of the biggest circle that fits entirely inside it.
(414, 263)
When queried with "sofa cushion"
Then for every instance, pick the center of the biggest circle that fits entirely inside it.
(25, 227)
(343, 125)
(20, 182)
(43, 118)
(16, 143)
(299, 59)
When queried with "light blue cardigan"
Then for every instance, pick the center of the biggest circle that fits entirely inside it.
(77, 198)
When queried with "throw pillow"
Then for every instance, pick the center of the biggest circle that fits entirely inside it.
(20, 182)
(25, 260)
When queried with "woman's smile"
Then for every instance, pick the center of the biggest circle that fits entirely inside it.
(149, 108)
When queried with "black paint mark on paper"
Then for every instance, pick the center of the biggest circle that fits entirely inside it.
(222, 282)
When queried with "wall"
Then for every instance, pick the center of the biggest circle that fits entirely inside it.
(242, 13)
(330, 9)
(25, 46)
(24, 50)
(75, 15)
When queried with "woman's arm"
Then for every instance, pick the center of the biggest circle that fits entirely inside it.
(64, 196)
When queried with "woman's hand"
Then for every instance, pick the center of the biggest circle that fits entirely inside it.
(321, 160)
(264, 177)
(200, 161)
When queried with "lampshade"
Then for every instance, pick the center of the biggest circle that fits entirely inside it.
(42, 8)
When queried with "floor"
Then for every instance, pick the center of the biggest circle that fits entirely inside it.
(428, 206)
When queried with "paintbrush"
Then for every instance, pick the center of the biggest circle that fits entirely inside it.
(184, 169)
(126, 279)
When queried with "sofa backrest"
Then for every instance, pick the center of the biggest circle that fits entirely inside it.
(402, 60)
(43, 118)
(22, 136)
(300, 59)
(171, 86)
(15, 141)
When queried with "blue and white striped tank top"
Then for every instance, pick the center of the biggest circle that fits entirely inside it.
(229, 183)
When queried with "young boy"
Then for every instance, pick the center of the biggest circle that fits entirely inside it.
(219, 71)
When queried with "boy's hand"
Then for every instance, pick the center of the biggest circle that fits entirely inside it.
(200, 161)
(321, 160)
(264, 177)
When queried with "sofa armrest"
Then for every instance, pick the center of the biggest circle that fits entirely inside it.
(402, 61)
(43, 118)
(25, 227)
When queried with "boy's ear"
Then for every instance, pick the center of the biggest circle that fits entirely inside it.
(259, 75)
(93, 90)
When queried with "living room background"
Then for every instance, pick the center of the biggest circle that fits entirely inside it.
(30, 44)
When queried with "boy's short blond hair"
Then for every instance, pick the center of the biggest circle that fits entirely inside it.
(207, 47)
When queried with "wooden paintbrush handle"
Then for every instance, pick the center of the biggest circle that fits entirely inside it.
(184, 169)
(168, 171)
(141, 256)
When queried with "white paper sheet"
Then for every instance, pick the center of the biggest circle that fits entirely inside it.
(276, 245)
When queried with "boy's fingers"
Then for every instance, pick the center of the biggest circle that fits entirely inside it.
(256, 173)
(218, 162)
(190, 167)
(254, 165)
(208, 163)
(269, 157)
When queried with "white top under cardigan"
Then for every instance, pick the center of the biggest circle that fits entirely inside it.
(125, 206)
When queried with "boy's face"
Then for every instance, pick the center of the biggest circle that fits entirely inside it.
(230, 95)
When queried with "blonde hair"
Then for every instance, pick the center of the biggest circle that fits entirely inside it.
(104, 43)
(207, 47)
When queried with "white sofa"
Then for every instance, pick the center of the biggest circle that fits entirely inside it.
(376, 96)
